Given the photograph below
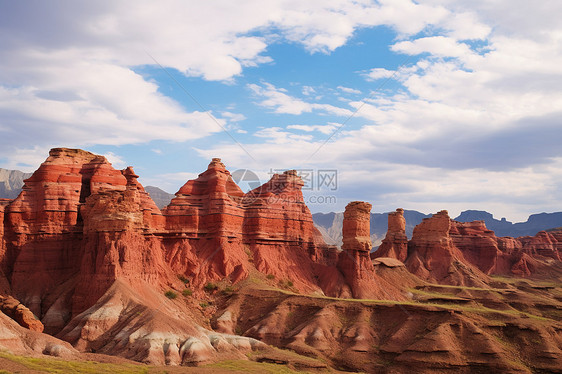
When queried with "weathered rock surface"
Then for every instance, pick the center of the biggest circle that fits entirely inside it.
(19, 313)
(386, 337)
(86, 249)
(395, 243)
(433, 256)
(20, 340)
(444, 250)
(354, 260)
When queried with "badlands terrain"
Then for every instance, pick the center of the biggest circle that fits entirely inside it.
(94, 277)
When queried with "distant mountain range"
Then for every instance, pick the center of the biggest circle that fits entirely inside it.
(330, 224)
(534, 224)
(11, 182)
(160, 197)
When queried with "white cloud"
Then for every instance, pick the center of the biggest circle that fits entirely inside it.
(233, 117)
(278, 100)
(116, 161)
(439, 46)
(349, 90)
(278, 136)
(477, 118)
(476, 125)
(324, 129)
(67, 75)
(379, 73)
(307, 90)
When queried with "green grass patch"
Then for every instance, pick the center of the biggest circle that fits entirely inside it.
(454, 307)
(251, 367)
(183, 279)
(187, 292)
(431, 294)
(170, 294)
(532, 282)
(227, 290)
(211, 287)
(52, 365)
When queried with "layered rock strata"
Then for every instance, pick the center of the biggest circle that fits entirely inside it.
(395, 243)
(432, 254)
(79, 225)
(444, 250)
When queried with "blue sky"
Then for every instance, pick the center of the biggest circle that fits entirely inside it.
(444, 104)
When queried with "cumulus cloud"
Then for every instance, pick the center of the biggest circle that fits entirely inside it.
(281, 102)
(477, 119)
(349, 90)
(379, 73)
(324, 129)
(476, 115)
(68, 69)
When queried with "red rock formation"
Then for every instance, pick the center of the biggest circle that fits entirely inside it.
(89, 252)
(395, 243)
(206, 218)
(4, 286)
(43, 226)
(279, 230)
(477, 243)
(545, 244)
(20, 313)
(117, 244)
(439, 243)
(356, 227)
(354, 260)
(504, 255)
(432, 254)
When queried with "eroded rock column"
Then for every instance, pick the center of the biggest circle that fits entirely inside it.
(395, 243)
(355, 262)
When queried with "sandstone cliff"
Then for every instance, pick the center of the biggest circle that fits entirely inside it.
(83, 240)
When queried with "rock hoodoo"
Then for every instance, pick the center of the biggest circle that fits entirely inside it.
(354, 260)
(395, 243)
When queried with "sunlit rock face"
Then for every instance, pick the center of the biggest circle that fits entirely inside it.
(395, 243)
(79, 225)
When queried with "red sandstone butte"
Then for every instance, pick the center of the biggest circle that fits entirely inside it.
(395, 243)
(433, 256)
(522, 256)
(279, 230)
(444, 250)
(44, 228)
(206, 218)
